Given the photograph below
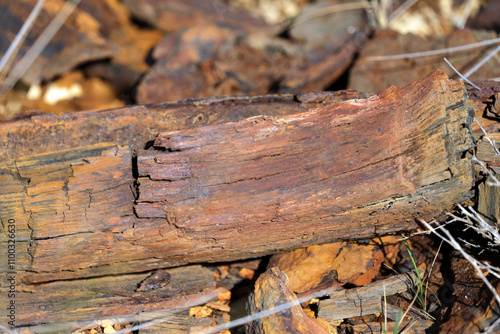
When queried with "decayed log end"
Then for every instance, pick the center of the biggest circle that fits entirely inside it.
(243, 189)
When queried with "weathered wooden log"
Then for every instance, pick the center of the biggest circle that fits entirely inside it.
(135, 126)
(55, 305)
(352, 170)
(48, 149)
(239, 190)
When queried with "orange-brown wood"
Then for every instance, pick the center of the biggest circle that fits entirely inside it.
(244, 189)
(89, 201)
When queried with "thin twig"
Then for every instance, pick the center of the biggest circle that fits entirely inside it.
(485, 229)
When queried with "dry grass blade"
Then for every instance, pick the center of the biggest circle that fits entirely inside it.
(11, 52)
(385, 309)
(483, 228)
(460, 74)
(446, 236)
(381, 9)
(435, 52)
(24, 64)
(401, 9)
(482, 62)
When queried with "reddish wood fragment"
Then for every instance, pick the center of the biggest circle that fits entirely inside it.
(307, 267)
(272, 290)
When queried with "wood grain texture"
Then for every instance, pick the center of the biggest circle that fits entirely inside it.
(136, 126)
(365, 300)
(352, 170)
(56, 304)
(418, 326)
(89, 203)
(244, 189)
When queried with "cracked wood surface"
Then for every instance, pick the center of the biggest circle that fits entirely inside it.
(352, 170)
(135, 126)
(68, 182)
(85, 207)
(243, 189)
